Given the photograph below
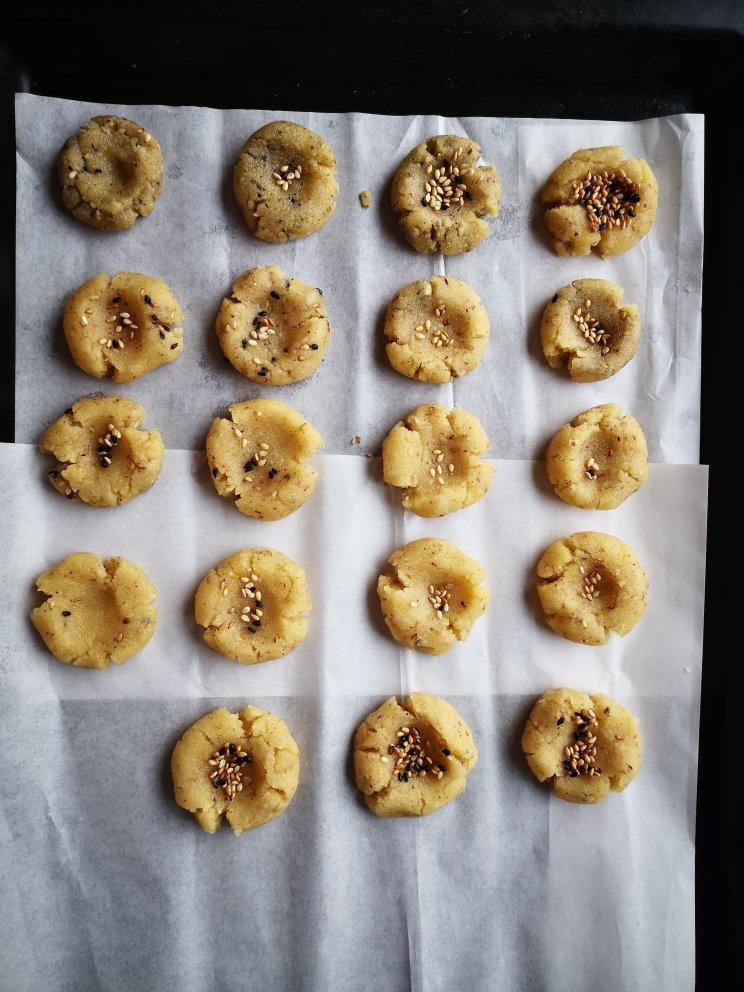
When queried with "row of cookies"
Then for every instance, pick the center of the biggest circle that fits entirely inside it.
(111, 173)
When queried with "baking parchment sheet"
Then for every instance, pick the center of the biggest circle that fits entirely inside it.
(197, 241)
(108, 885)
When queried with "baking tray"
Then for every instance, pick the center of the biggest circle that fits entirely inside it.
(469, 58)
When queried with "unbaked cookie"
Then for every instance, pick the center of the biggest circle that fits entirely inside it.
(590, 584)
(412, 758)
(122, 326)
(253, 606)
(433, 596)
(111, 173)
(103, 458)
(285, 181)
(244, 765)
(587, 330)
(441, 195)
(273, 329)
(585, 745)
(434, 456)
(258, 458)
(97, 611)
(599, 459)
(599, 199)
(437, 329)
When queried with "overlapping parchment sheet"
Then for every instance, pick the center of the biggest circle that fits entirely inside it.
(197, 241)
(108, 885)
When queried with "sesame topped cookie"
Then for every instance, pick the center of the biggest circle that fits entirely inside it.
(441, 195)
(285, 181)
(599, 199)
(111, 173)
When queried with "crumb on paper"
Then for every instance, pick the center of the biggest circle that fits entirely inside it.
(365, 199)
(688, 288)
(688, 669)
(356, 439)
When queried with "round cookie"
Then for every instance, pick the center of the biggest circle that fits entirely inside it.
(97, 611)
(599, 199)
(599, 459)
(111, 173)
(103, 458)
(590, 584)
(257, 458)
(273, 329)
(244, 766)
(433, 596)
(414, 757)
(587, 331)
(285, 181)
(441, 195)
(584, 745)
(434, 456)
(122, 326)
(253, 606)
(437, 329)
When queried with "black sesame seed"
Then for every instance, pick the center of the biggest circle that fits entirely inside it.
(468, 195)
(257, 623)
(66, 613)
(446, 750)
(68, 410)
(555, 298)
(148, 301)
(263, 313)
(116, 299)
(634, 198)
(215, 473)
(445, 163)
(274, 294)
(259, 603)
(252, 629)
(319, 290)
(561, 720)
(71, 495)
(423, 201)
(313, 347)
(244, 342)
(162, 335)
(631, 213)
(249, 465)
(174, 345)
(232, 749)
(104, 463)
(263, 371)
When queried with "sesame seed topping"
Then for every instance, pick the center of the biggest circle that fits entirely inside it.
(581, 755)
(590, 328)
(609, 199)
(226, 769)
(410, 756)
(439, 599)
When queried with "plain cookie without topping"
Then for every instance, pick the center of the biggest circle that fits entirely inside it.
(599, 199)
(273, 329)
(285, 181)
(437, 329)
(123, 326)
(434, 456)
(111, 173)
(258, 458)
(412, 758)
(243, 766)
(103, 458)
(599, 459)
(441, 195)
(585, 745)
(433, 596)
(589, 585)
(253, 606)
(588, 332)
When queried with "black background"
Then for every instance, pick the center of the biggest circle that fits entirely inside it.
(550, 59)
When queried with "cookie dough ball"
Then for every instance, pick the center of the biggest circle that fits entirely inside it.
(433, 596)
(273, 329)
(587, 331)
(434, 456)
(111, 173)
(97, 610)
(243, 765)
(412, 758)
(584, 745)
(103, 458)
(437, 330)
(590, 584)
(123, 326)
(441, 195)
(253, 606)
(599, 459)
(258, 458)
(285, 181)
(599, 199)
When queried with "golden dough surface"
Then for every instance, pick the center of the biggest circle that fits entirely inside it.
(441, 196)
(97, 611)
(111, 173)
(258, 754)
(414, 757)
(432, 596)
(253, 606)
(586, 746)
(285, 181)
(590, 584)
(434, 456)
(102, 456)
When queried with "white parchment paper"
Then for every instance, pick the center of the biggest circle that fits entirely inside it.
(106, 883)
